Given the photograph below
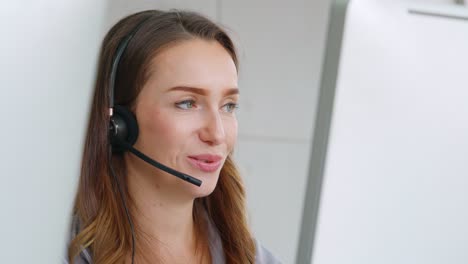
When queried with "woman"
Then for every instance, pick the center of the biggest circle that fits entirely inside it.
(175, 74)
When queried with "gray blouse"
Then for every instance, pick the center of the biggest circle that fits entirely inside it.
(263, 256)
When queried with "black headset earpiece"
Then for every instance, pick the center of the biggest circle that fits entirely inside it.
(123, 128)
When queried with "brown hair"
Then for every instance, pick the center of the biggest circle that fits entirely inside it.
(104, 228)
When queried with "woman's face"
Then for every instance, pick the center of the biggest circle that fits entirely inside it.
(186, 115)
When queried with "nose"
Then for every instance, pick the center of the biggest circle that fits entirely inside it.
(212, 131)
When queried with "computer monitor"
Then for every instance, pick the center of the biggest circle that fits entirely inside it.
(389, 165)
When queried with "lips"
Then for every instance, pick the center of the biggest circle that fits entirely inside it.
(205, 162)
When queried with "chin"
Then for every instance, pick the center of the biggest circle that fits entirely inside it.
(207, 187)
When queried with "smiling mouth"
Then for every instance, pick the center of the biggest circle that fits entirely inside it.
(206, 163)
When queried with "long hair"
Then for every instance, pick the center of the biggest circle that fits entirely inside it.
(104, 229)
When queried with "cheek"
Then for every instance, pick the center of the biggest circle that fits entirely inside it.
(169, 131)
(158, 133)
(164, 128)
(161, 125)
(230, 129)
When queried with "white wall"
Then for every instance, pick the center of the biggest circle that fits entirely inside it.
(120, 8)
(281, 46)
(395, 181)
(48, 51)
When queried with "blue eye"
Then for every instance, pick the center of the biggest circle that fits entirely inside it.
(186, 104)
(230, 107)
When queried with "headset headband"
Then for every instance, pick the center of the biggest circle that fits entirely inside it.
(115, 63)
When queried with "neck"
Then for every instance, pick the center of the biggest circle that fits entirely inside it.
(163, 218)
(163, 215)
(159, 215)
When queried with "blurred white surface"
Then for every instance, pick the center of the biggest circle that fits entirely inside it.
(48, 53)
(395, 182)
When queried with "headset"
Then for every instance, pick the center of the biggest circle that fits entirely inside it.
(123, 131)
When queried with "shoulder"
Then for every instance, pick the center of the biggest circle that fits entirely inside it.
(85, 255)
(263, 255)
(83, 258)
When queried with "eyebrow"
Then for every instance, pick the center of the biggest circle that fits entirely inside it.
(201, 91)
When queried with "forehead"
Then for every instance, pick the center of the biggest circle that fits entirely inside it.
(195, 62)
